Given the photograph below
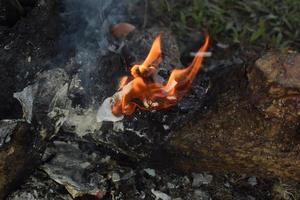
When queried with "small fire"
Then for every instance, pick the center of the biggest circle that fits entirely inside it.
(145, 89)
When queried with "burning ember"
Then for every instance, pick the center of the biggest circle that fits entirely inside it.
(146, 90)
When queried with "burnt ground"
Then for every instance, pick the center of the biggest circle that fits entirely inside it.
(32, 44)
(26, 48)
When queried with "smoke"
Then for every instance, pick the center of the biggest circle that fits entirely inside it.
(87, 30)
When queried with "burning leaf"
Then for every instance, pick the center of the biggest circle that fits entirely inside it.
(142, 90)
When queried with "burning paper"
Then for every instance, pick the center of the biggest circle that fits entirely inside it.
(142, 90)
(105, 113)
(26, 97)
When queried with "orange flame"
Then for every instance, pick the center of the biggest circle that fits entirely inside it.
(144, 92)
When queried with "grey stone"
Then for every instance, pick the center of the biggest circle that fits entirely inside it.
(201, 179)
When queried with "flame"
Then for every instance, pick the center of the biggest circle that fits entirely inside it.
(142, 91)
(123, 81)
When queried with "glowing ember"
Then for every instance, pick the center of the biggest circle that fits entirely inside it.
(142, 90)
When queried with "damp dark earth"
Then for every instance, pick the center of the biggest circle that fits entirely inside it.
(84, 115)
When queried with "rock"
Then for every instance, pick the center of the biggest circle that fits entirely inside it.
(19, 153)
(201, 179)
(275, 86)
(251, 125)
(121, 30)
